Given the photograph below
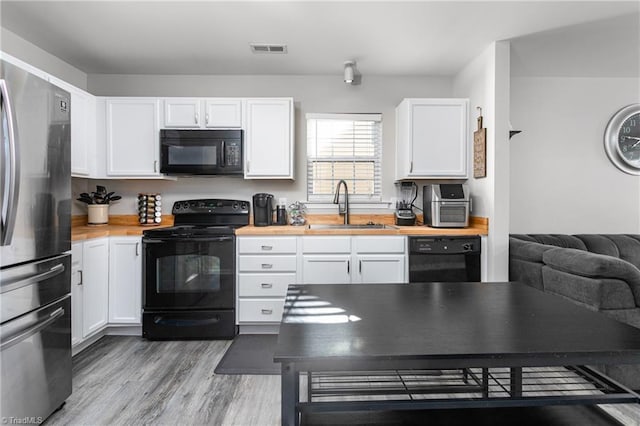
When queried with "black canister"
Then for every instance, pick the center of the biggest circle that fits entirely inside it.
(281, 215)
(262, 209)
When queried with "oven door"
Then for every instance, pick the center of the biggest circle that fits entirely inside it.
(194, 273)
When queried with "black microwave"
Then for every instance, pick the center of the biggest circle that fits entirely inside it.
(201, 152)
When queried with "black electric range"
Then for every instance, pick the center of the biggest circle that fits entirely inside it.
(189, 271)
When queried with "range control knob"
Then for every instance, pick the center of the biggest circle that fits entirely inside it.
(467, 247)
(244, 206)
(235, 206)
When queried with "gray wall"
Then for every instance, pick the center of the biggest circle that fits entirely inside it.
(561, 178)
(311, 94)
(33, 55)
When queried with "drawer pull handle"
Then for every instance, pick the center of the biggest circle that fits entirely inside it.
(266, 285)
(267, 311)
(267, 248)
(267, 266)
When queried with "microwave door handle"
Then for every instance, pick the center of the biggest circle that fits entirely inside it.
(224, 154)
(11, 167)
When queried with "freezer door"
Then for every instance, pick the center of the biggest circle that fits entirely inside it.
(26, 287)
(35, 192)
(35, 362)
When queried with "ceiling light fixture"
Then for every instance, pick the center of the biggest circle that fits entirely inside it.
(349, 71)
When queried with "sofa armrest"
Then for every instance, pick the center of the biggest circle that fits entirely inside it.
(592, 265)
(527, 250)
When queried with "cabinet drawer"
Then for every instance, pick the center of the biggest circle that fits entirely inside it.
(379, 244)
(267, 263)
(259, 310)
(327, 245)
(264, 285)
(267, 245)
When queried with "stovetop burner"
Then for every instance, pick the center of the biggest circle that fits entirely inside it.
(201, 218)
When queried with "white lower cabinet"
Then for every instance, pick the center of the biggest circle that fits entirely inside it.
(95, 287)
(357, 259)
(125, 280)
(266, 267)
(76, 293)
(106, 285)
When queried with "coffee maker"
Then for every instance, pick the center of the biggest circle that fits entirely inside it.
(262, 209)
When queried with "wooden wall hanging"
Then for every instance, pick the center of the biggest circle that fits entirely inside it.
(480, 149)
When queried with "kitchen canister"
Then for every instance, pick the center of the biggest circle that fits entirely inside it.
(150, 209)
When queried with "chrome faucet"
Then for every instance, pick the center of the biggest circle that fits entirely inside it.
(336, 200)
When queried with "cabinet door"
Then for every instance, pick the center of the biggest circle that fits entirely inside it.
(431, 139)
(379, 269)
(76, 293)
(223, 113)
(83, 129)
(438, 132)
(125, 280)
(182, 112)
(326, 269)
(269, 139)
(133, 137)
(95, 298)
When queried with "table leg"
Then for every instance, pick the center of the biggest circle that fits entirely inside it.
(290, 395)
(485, 382)
(516, 382)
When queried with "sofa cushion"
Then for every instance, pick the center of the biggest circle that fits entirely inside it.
(594, 265)
(599, 244)
(628, 247)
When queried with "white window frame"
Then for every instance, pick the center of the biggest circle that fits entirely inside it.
(377, 183)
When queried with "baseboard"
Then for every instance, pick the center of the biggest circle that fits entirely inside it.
(259, 329)
(114, 330)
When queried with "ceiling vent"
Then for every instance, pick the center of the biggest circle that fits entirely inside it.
(268, 48)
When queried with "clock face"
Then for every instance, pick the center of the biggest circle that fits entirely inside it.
(629, 140)
(622, 139)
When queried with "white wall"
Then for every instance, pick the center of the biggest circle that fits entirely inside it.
(33, 55)
(312, 94)
(485, 81)
(561, 178)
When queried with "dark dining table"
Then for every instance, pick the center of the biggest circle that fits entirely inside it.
(445, 346)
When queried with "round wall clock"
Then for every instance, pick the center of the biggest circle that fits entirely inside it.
(622, 139)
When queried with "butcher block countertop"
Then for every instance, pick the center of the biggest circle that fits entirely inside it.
(126, 225)
(477, 226)
(119, 226)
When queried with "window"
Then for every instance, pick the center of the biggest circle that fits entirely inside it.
(344, 146)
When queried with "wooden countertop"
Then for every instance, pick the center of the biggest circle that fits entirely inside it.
(119, 225)
(126, 225)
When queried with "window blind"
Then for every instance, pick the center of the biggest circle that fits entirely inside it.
(344, 146)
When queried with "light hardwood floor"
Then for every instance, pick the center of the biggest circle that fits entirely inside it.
(127, 380)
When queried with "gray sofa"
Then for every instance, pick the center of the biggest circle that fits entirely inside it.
(599, 272)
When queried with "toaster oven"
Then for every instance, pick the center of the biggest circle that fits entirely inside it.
(446, 205)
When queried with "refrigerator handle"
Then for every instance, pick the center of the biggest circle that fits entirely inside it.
(32, 330)
(12, 168)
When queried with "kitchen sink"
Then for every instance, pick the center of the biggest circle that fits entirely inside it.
(352, 226)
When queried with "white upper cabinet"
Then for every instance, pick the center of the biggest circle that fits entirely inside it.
(133, 141)
(269, 138)
(83, 129)
(431, 139)
(182, 112)
(196, 113)
(223, 112)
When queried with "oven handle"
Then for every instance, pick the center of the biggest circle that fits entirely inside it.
(188, 240)
(186, 322)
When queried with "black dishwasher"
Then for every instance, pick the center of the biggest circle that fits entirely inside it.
(444, 259)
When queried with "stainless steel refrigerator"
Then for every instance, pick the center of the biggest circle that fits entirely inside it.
(35, 274)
